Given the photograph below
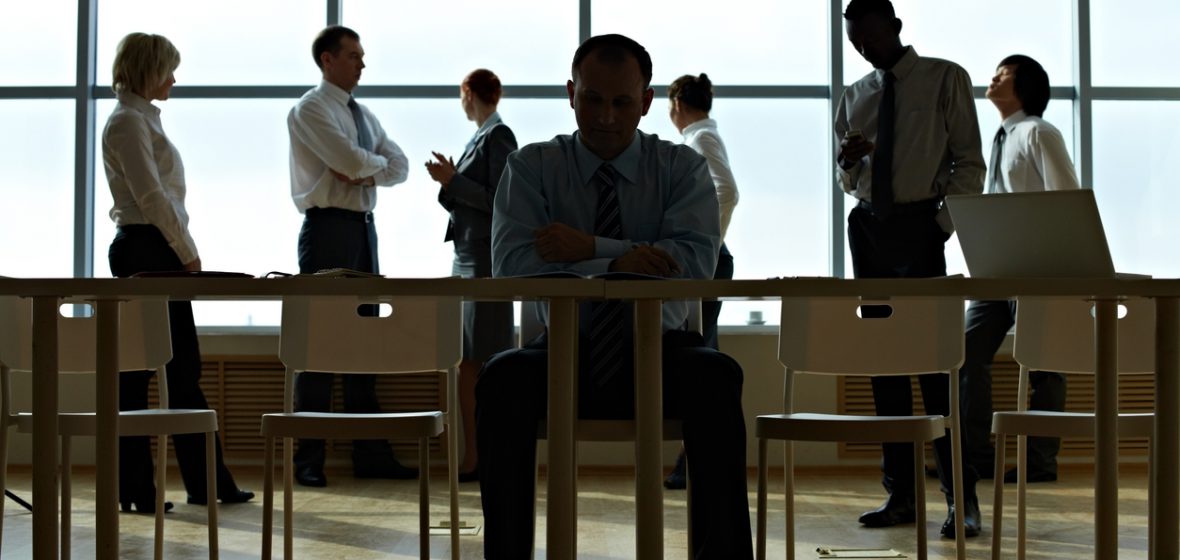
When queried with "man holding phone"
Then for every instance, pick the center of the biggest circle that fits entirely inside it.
(908, 137)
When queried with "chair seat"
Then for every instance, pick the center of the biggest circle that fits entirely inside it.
(853, 428)
(612, 430)
(1067, 424)
(148, 422)
(407, 425)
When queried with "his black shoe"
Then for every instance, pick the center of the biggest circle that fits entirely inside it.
(384, 469)
(308, 475)
(1033, 476)
(238, 496)
(678, 478)
(895, 511)
(971, 519)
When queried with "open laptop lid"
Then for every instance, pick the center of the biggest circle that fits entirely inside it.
(1052, 234)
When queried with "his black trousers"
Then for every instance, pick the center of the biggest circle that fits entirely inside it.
(907, 244)
(701, 386)
(338, 238)
(987, 325)
(142, 248)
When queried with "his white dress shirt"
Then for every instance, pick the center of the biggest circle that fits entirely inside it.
(1033, 158)
(324, 139)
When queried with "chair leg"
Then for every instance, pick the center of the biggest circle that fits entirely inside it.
(288, 498)
(3, 464)
(1021, 495)
(789, 483)
(920, 496)
(536, 476)
(268, 494)
(161, 485)
(66, 497)
(454, 423)
(1151, 507)
(998, 498)
(688, 503)
(453, 479)
(760, 542)
(424, 498)
(211, 492)
(958, 491)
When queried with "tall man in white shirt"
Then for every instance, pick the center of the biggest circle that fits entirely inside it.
(339, 155)
(908, 136)
(1028, 154)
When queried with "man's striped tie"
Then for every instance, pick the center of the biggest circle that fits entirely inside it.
(607, 318)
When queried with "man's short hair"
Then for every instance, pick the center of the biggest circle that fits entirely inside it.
(328, 41)
(613, 49)
(143, 62)
(1030, 82)
(860, 8)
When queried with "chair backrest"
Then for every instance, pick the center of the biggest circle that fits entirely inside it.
(530, 323)
(144, 336)
(828, 336)
(531, 326)
(327, 333)
(1054, 334)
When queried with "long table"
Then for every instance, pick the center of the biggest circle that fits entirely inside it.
(562, 295)
(1165, 450)
(48, 294)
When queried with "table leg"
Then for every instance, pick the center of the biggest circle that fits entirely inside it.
(1106, 409)
(107, 435)
(562, 510)
(649, 422)
(1165, 514)
(45, 459)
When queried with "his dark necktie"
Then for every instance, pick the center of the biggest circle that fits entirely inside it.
(362, 131)
(997, 182)
(607, 318)
(883, 152)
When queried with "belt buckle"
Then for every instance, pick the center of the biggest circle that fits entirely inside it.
(368, 217)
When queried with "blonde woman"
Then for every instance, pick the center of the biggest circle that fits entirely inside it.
(146, 179)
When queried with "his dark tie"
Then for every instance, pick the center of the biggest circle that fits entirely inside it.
(883, 152)
(362, 131)
(607, 318)
(997, 183)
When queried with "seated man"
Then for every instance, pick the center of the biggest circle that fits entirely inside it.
(610, 198)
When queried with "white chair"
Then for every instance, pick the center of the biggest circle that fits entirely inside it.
(145, 343)
(328, 334)
(827, 336)
(1058, 335)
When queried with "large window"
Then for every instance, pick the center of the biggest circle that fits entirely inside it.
(523, 41)
(735, 42)
(221, 42)
(1132, 42)
(42, 48)
(1117, 103)
(37, 156)
(978, 35)
(1135, 142)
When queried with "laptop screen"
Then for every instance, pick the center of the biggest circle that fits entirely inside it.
(1052, 234)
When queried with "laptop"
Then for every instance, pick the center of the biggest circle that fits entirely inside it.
(1050, 234)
